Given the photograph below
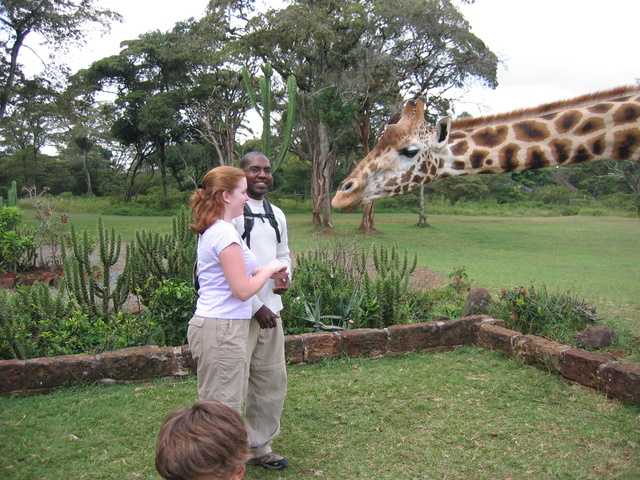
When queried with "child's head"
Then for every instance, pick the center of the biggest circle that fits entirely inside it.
(205, 442)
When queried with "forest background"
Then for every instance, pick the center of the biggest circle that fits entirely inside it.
(142, 127)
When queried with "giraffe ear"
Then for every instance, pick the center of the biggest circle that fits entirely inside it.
(443, 128)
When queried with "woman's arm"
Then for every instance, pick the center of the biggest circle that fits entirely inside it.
(235, 272)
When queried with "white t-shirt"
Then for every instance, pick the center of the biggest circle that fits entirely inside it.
(265, 246)
(215, 299)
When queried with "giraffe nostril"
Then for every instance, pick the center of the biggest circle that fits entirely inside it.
(347, 186)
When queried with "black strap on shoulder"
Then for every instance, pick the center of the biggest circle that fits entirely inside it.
(196, 281)
(249, 218)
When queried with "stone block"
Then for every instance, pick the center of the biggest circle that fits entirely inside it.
(363, 341)
(12, 376)
(621, 381)
(582, 366)
(539, 351)
(190, 363)
(318, 346)
(497, 338)
(459, 331)
(414, 336)
(138, 363)
(293, 349)
(48, 373)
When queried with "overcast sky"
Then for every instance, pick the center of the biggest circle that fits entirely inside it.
(551, 49)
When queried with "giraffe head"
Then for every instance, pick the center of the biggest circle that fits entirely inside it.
(410, 146)
(600, 126)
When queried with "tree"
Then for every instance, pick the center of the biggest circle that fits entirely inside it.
(313, 41)
(57, 21)
(30, 125)
(353, 58)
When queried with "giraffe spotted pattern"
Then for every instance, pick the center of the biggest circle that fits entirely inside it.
(600, 126)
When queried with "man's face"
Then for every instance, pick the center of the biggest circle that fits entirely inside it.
(259, 178)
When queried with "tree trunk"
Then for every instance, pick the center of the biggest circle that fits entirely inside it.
(422, 218)
(85, 167)
(321, 179)
(366, 225)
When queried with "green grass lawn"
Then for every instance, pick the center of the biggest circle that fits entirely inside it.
(469, 414)
(595, 258)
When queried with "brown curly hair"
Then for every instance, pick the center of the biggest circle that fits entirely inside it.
(206, 202)
(208, 440)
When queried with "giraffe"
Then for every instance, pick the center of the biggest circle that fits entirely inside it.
(411, 153)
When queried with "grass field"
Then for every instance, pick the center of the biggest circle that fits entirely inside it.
(595, 258)
(469, 414)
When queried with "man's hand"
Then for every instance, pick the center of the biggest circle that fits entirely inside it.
(266, 318)
(282, 285)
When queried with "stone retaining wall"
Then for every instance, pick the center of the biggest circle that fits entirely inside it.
(601, 372)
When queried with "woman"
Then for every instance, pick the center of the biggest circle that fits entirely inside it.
(228, 276)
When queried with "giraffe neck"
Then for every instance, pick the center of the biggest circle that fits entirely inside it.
(607, 129)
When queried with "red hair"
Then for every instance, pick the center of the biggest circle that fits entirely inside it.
(206, 203)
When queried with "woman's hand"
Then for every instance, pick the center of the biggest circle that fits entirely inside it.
(278, 269)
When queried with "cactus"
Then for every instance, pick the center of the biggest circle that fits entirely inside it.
(154, 257)
(96, 297)
(12, 196)
(265, 111)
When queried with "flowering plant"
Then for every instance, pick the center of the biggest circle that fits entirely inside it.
(459, 279)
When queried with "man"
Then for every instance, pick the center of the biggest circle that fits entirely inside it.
(264, 229)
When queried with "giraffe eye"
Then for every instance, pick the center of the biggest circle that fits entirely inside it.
(409, 152)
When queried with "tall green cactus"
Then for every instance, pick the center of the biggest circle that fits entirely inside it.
(154, 257)
(99, 298)
(12, 196)
(265, 111)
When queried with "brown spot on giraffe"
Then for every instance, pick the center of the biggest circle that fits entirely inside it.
(478, 157)
(535, 158)
(590, 125)
(508, 157)
(625, 144)
(627, 114)
(581, 155)
(600, 108)
(490, 136)
(460, 148)
(597, 145)
(561, 150)
(531, 131)
(568, 121)
(456, 136)
(458, 164)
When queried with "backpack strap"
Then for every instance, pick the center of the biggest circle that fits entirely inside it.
(196, 281)
(249, 218)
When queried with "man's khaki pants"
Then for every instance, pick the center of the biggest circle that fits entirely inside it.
(266, 385)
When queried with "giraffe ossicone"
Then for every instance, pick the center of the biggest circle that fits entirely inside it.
(411, 153)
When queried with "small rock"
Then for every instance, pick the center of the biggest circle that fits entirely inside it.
(595, 338)
(477, 301)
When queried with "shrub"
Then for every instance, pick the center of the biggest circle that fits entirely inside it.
(325, 278)
(341, 285)
(171, 306)
(17, 245)
(154, 257)
(38, 322)
(535, 311)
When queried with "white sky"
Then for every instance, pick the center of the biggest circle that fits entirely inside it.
(552, 49)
